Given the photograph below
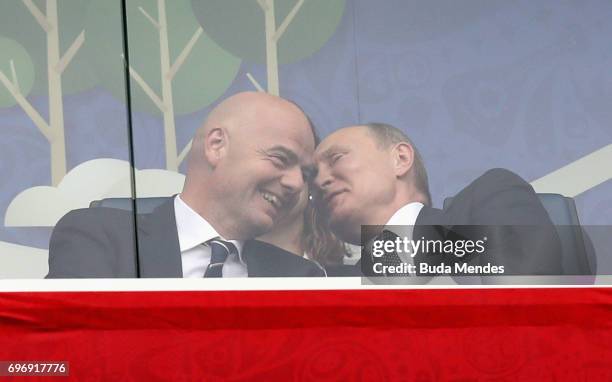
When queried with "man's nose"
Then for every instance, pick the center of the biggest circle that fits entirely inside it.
(323, 179)
(293, 180)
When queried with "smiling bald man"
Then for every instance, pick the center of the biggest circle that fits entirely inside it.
(246, 169)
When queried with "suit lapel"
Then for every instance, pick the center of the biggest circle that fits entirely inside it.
(158, 247)
(431, 216)
(431, 224)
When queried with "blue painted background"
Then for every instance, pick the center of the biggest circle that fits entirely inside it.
(477, 84)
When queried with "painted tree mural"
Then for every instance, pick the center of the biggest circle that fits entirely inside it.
(15, 55)
(175, 67)
(270, 31)
(20, 78)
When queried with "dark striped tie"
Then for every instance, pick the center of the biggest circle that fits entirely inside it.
(219, 250)
(388, 259)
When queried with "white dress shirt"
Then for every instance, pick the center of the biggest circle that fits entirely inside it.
(193, 230)
(405, 217)
(402, 224)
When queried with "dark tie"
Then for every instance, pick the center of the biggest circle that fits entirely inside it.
(219, 250)
(389, 258)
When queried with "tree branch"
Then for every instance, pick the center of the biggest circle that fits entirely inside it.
(263, 4)
(69, 55)
(281, 29)
(147, 89)
(183, 153)
(40, 17)
(184, 54)
(14, 74)
(255, 83)
(150, 18)
(27, 107)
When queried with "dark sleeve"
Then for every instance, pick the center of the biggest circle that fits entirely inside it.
(91, 243)
(344, 270)
(522, 236)
(502, 197)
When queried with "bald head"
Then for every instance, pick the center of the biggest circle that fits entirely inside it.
(242, 107)
(236, 114)
(251, 148)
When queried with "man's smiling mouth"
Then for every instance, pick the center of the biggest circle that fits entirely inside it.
(273, 199)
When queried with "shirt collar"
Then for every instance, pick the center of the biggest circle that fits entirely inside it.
(193, 229)
(402, 222)
(406, 216)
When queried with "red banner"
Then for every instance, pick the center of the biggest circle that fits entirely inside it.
(425, 335)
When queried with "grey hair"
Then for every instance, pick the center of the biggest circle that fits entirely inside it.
(387, 136)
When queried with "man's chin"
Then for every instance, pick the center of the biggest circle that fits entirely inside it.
(258, 226)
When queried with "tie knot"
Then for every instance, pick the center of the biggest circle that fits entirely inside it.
(218, 245)
(219, 250)
(388, 235)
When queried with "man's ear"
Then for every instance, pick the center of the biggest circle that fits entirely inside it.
(215, 145)
(403, 158)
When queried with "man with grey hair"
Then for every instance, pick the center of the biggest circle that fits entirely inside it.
(373, 175)
(388, 136)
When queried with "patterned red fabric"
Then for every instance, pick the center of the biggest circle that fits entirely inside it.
(381, 335)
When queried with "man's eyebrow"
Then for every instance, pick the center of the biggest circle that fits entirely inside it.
(331, 151)
(290, 154)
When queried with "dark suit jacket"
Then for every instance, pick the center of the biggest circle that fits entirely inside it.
(270, 261)
(505, 208)
(100, 243)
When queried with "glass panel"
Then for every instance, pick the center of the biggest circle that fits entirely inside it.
(63, 127)
(204, 53)
(482, 84)
(476, 85)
